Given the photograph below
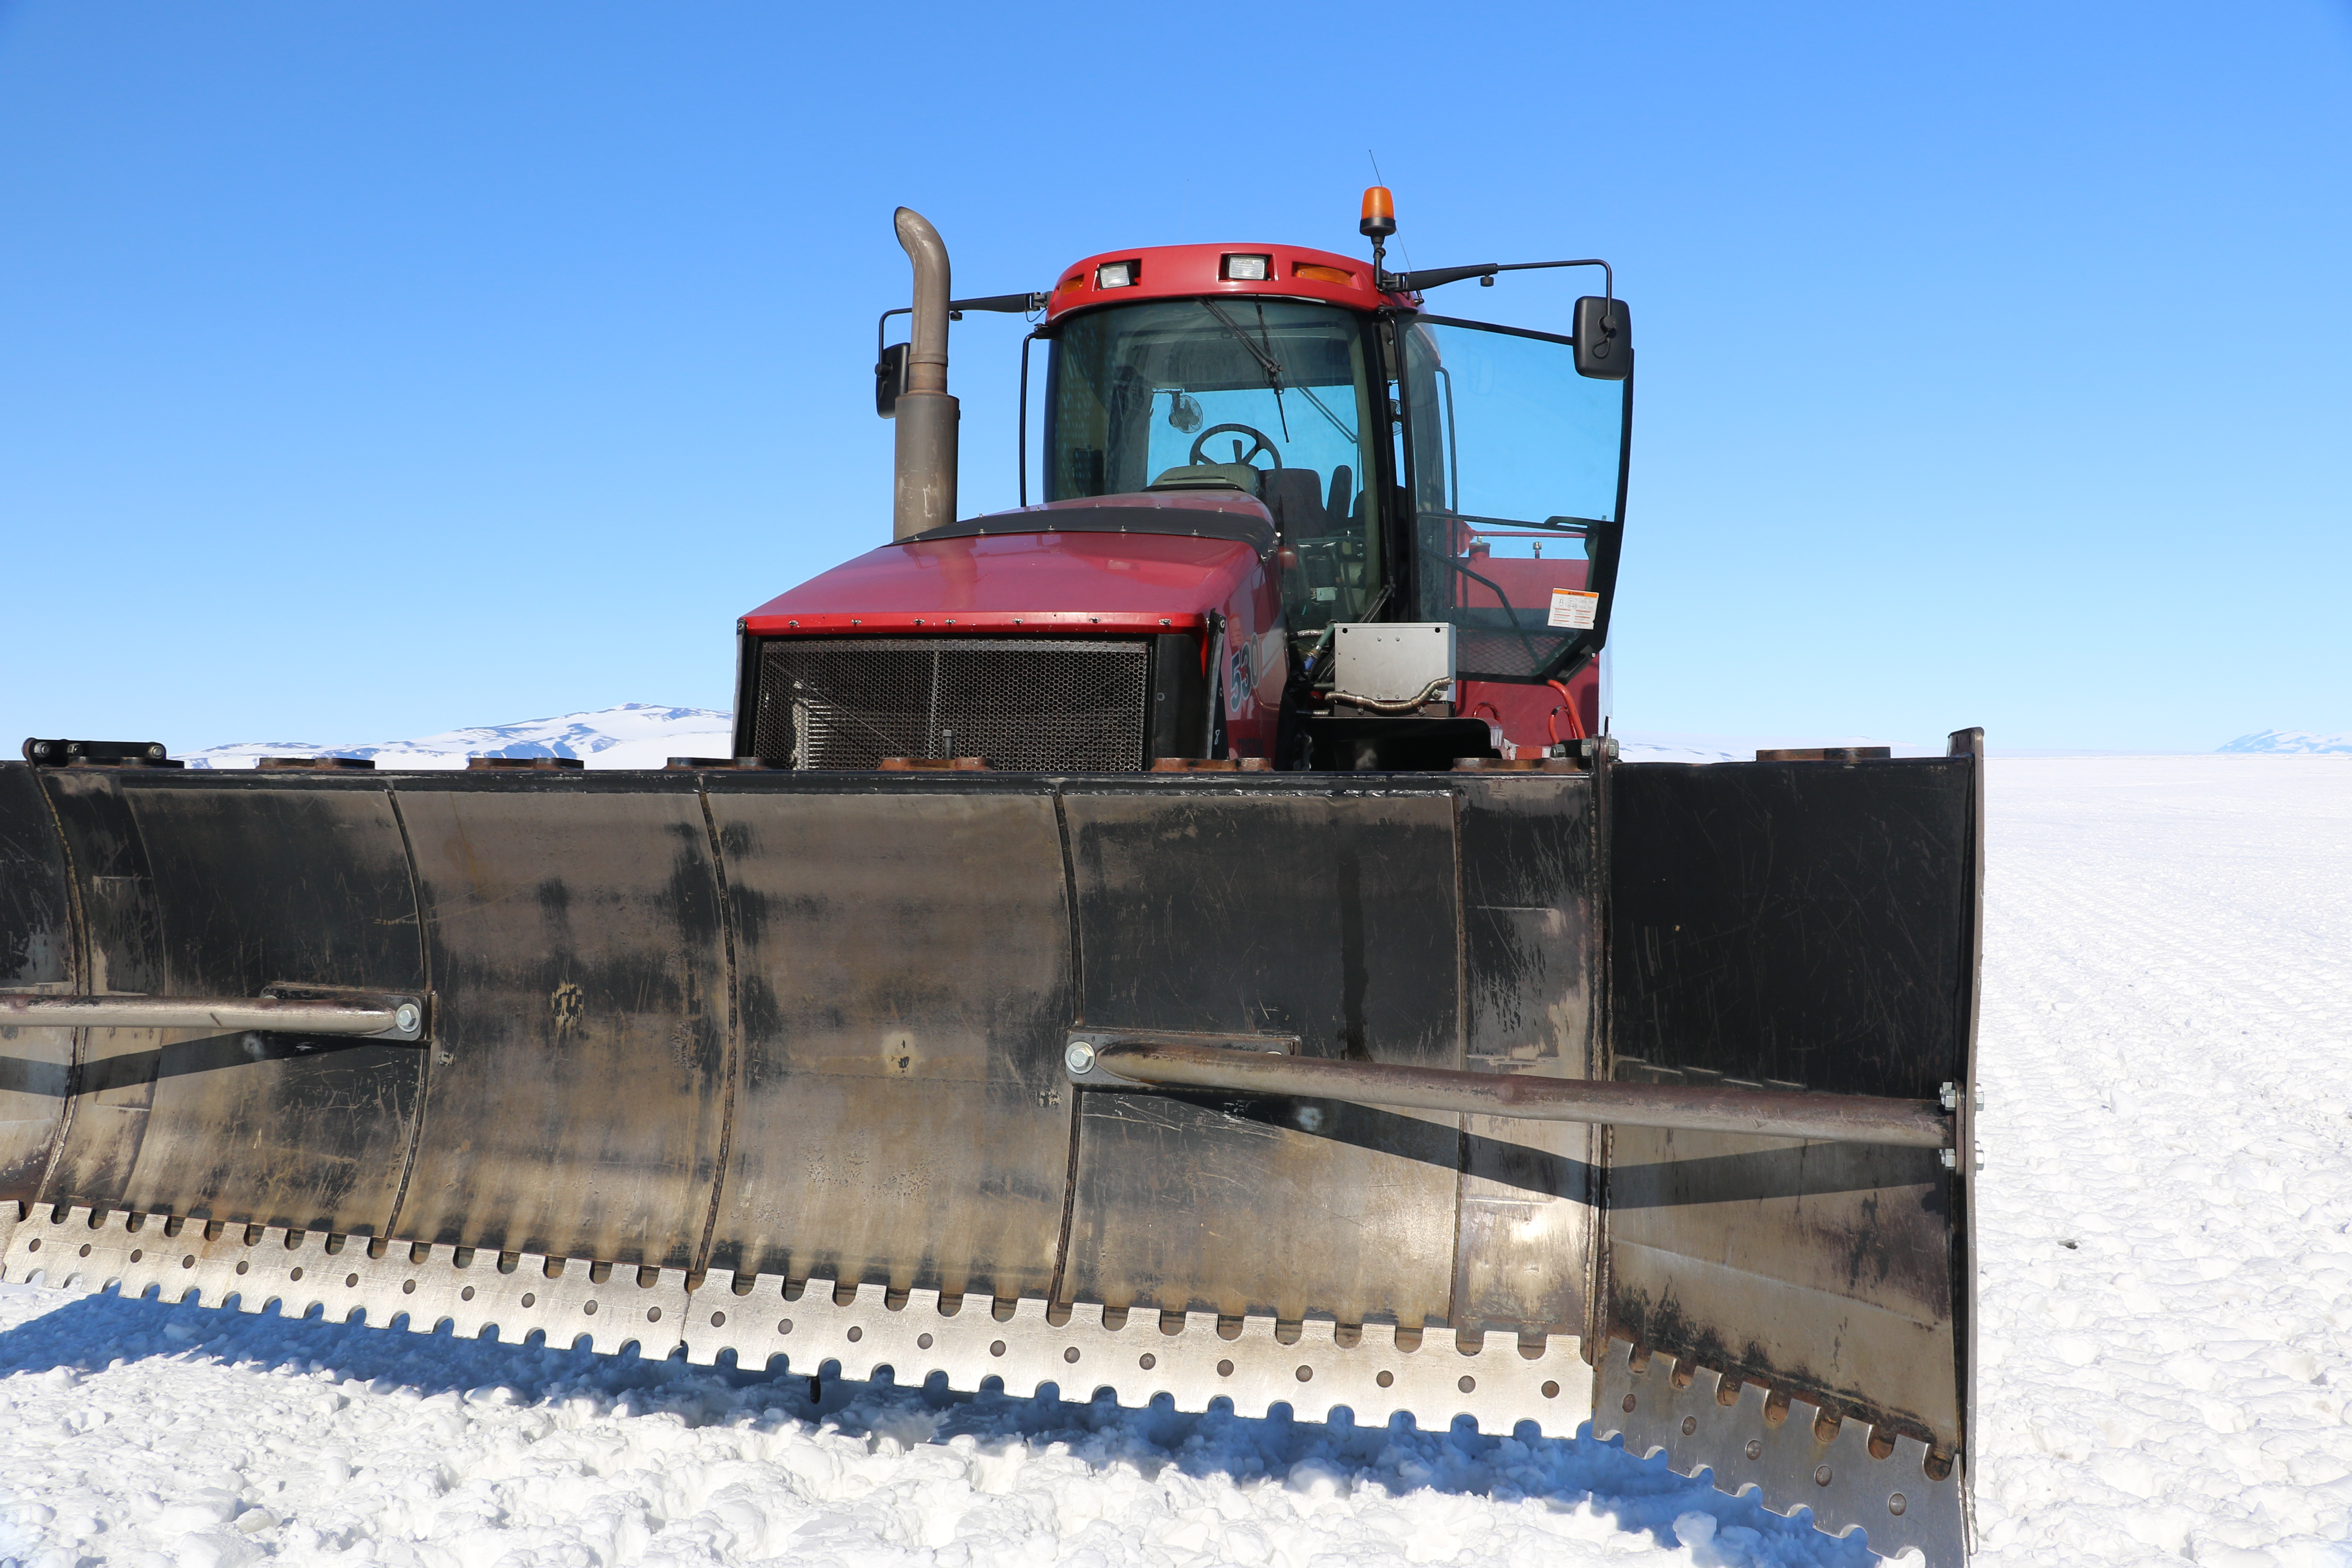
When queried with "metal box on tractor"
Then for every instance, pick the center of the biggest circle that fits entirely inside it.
(1187, 935)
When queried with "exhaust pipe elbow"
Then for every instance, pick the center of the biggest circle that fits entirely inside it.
(926, 416)
(927, 367)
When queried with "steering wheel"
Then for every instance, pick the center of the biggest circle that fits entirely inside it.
(1263, 445)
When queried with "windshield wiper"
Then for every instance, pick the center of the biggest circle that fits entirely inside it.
(1274, 373)
(1266, 362)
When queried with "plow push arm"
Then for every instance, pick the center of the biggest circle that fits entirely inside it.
(1259, 1065)
(358, 1014)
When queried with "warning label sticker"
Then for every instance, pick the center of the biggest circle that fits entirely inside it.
(1573, 610)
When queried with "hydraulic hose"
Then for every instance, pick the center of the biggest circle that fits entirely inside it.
(1394, 705)
(1575, 720)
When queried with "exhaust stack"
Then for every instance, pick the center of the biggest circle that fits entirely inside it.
(926, 415)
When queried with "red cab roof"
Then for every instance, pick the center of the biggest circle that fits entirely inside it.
(1178, 271)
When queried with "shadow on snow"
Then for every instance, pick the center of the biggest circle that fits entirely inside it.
(91, 1334)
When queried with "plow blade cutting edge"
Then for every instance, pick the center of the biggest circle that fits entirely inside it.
(1640, 1097)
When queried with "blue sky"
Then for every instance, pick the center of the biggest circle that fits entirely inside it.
(370, 369)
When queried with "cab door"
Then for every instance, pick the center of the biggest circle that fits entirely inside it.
(1516, 477)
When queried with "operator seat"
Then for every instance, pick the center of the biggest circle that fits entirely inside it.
(1295, 496)
(1301, 509)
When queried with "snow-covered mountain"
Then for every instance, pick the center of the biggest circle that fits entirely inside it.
(2291, 742)
(634, 735)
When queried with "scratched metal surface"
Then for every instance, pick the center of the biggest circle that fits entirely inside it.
(905, 974)
(810, 1024)
(221, 885)
(1327, 916)
(1810, 924)
(581, 1052)
(37, 956)
(1532, 996)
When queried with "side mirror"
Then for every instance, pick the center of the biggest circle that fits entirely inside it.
(1604, 339)
(890, 378)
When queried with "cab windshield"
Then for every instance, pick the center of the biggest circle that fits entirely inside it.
(1267, 396)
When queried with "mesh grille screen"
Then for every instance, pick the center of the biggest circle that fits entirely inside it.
(1027, 705)
(1489, 650)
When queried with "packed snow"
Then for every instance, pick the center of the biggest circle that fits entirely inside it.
(2167, 1272)
(2167, 1290)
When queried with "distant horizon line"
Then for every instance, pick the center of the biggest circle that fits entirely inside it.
(582, 736)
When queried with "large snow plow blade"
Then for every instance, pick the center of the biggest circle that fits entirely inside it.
(1796, 1316)
(1480, 1094)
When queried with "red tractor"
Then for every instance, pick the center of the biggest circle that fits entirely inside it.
(1189, 937)
(1291, 520)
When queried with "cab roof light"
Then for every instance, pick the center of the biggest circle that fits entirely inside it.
(1315, 271)
(1379, 213)
(1247, 270)
(1118, 274)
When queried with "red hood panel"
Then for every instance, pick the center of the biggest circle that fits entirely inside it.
(1118, 581)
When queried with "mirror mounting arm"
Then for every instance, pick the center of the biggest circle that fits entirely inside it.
(890, 359)
(1431, 277)
(1603, 338)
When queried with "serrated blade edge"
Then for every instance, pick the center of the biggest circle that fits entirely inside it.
(1496, 1385)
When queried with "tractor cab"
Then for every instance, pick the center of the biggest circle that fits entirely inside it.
(1255, 460)
(1416, 468)
(1274, 399)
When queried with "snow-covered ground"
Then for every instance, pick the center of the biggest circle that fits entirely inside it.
(2166, 1290)
(2166, 1050)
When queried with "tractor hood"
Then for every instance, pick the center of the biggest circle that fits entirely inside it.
(1148, 562)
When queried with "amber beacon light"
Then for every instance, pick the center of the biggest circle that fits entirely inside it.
(1379, 213)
